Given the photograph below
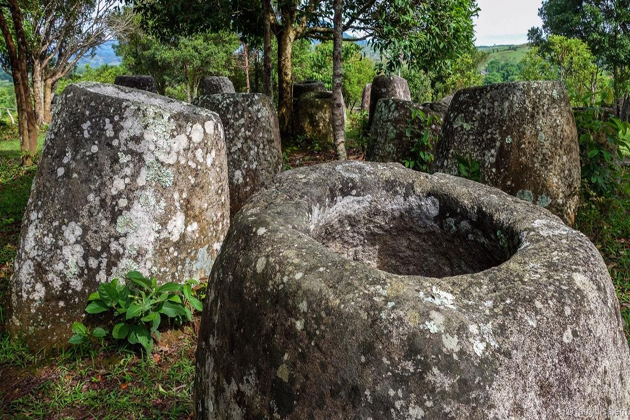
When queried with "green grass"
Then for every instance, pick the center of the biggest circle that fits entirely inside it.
(103, 383)
(606, 221)
(504, 54)
(15, 187)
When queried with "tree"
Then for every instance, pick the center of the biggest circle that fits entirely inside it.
(185, 59)
(338, 117)
(605, 27)
(17, 52)
(424, 33)
(567, 60)
(317, 61)
(63, 31)
(43, 41)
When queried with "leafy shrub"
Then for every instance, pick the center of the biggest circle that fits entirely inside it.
(469, 168)
(601, 138)
(421, 128)
(139, 308)
(358, 125)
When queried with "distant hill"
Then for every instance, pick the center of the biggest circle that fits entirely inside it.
(104, 54)
(504, 53)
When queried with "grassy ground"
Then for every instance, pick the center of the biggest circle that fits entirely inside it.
(110, 383)
(503, 53)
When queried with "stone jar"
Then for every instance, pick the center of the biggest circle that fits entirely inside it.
(524, 138)
(252, 138)
(389, 140)
(146, 83)
(384, 86)
(364, 290)
(213, 85)
(312, 118)
(128, 180)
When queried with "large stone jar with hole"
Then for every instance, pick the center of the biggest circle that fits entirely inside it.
(524, 138)
(355, 291)
(128, 180)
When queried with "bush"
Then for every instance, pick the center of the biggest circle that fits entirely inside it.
(138, 309)
(601, 138)
(421, 128)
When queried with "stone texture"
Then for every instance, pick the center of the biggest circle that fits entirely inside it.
(365, 97)
(128, 180)
(333, 298)
(252, 138)
(307, 86)
(383, 86)
(524, 137)
(312, 117)
(441, 107)
(213, 85)
(146, 83)
(388, 141)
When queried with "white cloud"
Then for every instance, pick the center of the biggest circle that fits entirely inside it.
(506, 21)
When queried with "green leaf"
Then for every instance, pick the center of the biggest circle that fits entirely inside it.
(79, 328)
(120, 331)
(96, 307)
(150, 317)
(77, 339)
(175, 298)
(94, 296)
(139, 334)
(99, 332)
(139, 280)
(171, 309)
(156, 323)
(169, 287)
(196, 303)
(108, 293)
(593, 153)
(187, 290)
(133, 311)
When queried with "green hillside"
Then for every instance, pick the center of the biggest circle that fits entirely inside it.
(504, 53)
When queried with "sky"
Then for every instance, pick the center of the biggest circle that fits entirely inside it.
(505, 21)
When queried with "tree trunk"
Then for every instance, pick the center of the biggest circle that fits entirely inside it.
(49, 89)
(246, 66)
(267, 86)
(38, 91)
(17, 56)
(338, 114)
(285, 82)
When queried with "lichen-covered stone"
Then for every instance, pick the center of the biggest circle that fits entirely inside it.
(388, 141)
(441, 107)
(307, 86)
(146, 83)
(252, 138)
(365, 97)
(384, 86)
(128, 180)
(312, 118)
(363, 290)
(213, 85)
(524, 137)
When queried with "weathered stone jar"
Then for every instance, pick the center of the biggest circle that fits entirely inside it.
(523, 136)
(389, 141)
(252, 138)
(213, 85)
(384, 86)
(312, 118)
(128, 180)
(146, 83)
(355, 290)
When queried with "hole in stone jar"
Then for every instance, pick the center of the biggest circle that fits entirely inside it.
(424, 236)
